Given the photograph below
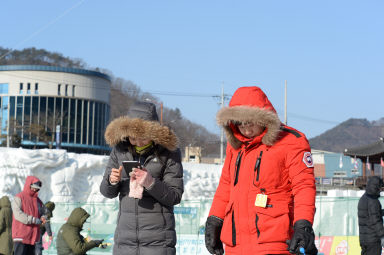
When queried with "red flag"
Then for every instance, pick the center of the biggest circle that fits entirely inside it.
(381, 162)
(368, 164)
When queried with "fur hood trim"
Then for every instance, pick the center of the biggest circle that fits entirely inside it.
(244, 113)
(119, 129)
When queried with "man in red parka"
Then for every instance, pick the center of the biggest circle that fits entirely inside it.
(265, 200)
(27, 211)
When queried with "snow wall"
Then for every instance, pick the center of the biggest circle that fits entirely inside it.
(72, 180)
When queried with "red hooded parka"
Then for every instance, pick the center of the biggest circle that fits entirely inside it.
(277, 163)
(30, 204)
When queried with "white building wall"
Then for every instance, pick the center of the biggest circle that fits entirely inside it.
(86, 86)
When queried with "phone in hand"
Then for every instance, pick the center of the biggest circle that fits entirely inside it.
(128, 165)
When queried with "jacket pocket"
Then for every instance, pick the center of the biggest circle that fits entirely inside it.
(228, 232)
(270, 224)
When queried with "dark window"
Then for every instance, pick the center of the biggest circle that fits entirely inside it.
(51, 116)
(36, 88)
(73, 90)
(91, 129)
(85, 122)
(102, 121)
(79, 119)
(28, 88)
(43, 112)
(66, 89)
(12, 110)
(35, 115)
(27, 118)
(72, 121)
(58, 89)
(97, 123)
(65, 114)
(21, 88)
(19, 114)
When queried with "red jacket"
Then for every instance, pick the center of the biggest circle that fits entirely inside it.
(30, 203)
(277, 163)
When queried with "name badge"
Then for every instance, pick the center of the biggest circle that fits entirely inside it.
(261, 200)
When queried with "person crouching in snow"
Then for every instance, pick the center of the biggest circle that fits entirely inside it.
(69, 240)
(146, 222)
(265, 200)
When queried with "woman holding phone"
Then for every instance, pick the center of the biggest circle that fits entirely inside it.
(147, 195)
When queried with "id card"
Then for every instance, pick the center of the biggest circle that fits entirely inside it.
(261, 200)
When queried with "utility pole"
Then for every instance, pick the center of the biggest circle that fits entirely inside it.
(285, 104)
(222, 97)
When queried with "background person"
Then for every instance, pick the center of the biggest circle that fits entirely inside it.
(69, 240)
(46, 227)
(266, 194)
(27, 211)
(6, 243)
(371, 230)
(146, 222)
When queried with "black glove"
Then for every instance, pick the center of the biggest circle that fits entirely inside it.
(303, 236)
(212, 235)
(98, 242)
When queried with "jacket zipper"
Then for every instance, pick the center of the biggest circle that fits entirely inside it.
(237, 167)
(233, 229)
(257, 166)
(257, 227)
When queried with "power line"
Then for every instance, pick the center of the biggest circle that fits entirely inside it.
(44, 27)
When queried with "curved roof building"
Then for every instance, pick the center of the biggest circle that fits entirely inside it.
(50, 106)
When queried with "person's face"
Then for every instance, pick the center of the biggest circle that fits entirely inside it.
(249, 129)
(139, 141)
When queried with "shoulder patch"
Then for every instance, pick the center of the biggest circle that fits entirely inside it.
(307, 159)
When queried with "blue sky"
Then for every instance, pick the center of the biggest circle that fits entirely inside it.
(330, 52)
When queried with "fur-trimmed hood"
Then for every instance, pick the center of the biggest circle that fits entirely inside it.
(141, 122)
(249, 104)
(119, 129)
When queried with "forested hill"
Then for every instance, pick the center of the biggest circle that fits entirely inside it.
(350, 133)
(123, 94)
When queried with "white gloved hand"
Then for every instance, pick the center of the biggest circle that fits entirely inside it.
(382, 242)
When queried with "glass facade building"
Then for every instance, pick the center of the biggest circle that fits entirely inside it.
(44, 106)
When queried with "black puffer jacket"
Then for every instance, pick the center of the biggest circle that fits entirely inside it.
(147, 225)
(369, 212)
